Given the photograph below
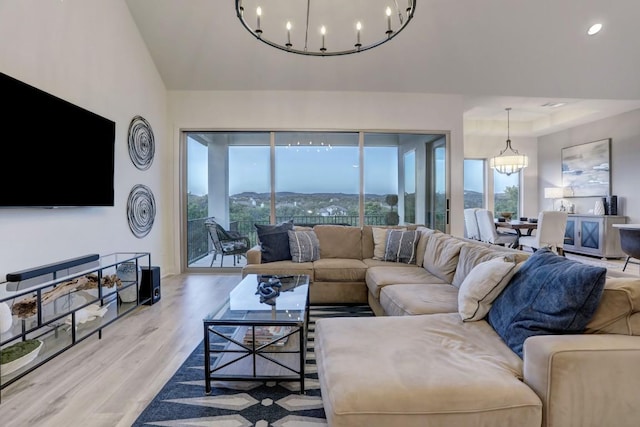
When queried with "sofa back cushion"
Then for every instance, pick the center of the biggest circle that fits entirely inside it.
(473, 254)
(619, 308)
(423, 237)
(339, 241)
(441, 255)
(548, 295)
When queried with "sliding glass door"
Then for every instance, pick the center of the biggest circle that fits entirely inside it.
(238, 179)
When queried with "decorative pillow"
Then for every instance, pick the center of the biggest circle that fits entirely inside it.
(472, 254)
(304, 245)
(274, 241)
(401, 246)
(482, 285)
(549, 294)
(379, 242)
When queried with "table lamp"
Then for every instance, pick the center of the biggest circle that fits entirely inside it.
(555, 193)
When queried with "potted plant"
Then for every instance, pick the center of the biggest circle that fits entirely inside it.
(392, 217)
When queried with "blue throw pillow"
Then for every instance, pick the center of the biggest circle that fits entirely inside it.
(274, 241)
(550, 294)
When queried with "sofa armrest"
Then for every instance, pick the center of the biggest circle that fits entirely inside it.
(589, 380)
(254, 255)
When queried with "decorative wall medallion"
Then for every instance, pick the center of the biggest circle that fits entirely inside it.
(141, 143)
(141, 210)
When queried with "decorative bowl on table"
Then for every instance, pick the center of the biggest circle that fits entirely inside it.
(506, 215)
(19, 355)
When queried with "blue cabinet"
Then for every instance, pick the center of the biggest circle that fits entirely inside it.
(594, 235)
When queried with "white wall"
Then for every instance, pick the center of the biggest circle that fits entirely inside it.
(322, 111)
(89, 53)
(485, 147)
(624, 131)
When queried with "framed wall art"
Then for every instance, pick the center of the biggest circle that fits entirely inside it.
(585, 169)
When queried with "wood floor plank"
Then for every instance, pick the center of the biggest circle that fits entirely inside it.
(109, 381)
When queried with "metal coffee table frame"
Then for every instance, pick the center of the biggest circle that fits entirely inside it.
(235, 350)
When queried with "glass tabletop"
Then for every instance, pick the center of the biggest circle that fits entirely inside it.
(283, 299)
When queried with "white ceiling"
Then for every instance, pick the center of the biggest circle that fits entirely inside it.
(496, 53)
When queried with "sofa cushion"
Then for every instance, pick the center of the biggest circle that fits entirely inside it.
(379, 277)
(481, 287)
(473, 254)
(619, 308)
(441, 255)
(274, 241)
(280, 267)
(423, 236)
(339, 241)
(416, 371)
(549, 294)
(304, 246)
(339, 270)
(414, 299)
(401, 246)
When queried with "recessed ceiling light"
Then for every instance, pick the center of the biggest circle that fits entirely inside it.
(594, 29)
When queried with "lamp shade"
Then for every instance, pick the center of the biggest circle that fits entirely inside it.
(553, 193)
(509, 164)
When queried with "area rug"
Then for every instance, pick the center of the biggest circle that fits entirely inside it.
(183, 402)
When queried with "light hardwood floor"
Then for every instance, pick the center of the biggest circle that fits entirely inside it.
(109, 381)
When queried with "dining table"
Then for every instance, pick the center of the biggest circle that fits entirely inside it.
(518, 226)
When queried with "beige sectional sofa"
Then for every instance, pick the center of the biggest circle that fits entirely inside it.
(417, 363)
(338, 277)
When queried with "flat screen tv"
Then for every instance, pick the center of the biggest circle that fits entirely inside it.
(52, 153)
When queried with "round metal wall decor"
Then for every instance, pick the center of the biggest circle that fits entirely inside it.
(141, 210)
(141, 143)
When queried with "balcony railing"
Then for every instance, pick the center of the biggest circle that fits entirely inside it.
(199, 245)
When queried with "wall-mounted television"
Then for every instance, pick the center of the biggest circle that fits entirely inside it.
(52, 153)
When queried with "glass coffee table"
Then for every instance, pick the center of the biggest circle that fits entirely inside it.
(260, 332)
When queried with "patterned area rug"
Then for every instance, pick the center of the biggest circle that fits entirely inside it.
(183, 402)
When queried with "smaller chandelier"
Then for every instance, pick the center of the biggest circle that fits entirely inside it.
(509, 160)
(329, 28)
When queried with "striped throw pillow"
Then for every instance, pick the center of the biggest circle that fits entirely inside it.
(401, 246)
(304, 246)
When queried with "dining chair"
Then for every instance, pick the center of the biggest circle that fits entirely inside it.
(630, 244)
(489, 233)
(471, 224)
(550, 232)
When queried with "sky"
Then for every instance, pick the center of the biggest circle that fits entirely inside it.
(299, 169)
(473, 177)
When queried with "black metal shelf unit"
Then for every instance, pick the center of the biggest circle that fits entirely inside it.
(56, 306)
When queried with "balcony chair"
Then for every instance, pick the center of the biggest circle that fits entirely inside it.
(489, 233)
(630, 244)
(226, 242)
(550, 232)
(471, 224)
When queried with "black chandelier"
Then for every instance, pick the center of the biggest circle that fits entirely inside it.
(341, 30)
